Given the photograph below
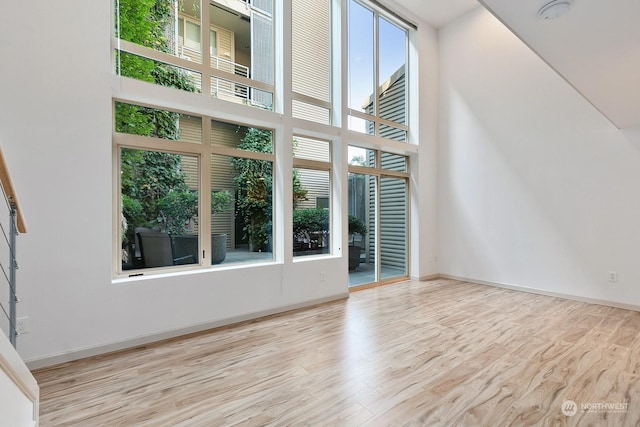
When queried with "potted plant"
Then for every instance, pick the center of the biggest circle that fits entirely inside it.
(220, 202)
(310, 228)
(356, 226)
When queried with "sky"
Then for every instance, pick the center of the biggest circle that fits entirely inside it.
(392, 50)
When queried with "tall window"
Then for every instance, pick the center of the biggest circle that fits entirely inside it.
(311, 196)
(196, 178)
(378, 193)
(224, 49)
(311, 60)
(378, 96)
(170, 179)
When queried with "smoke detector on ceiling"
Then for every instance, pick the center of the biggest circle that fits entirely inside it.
(554, 9)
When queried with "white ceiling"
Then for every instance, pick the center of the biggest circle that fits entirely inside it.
(438, 13)
(595, 46)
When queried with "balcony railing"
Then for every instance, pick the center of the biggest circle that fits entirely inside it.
(222, 87)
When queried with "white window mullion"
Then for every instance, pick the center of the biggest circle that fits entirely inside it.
(206, 47)
(376, 70)
(205, 196)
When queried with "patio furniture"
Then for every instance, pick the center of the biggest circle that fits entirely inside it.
(156, 250)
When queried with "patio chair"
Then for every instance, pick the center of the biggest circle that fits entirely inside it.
(156, 250)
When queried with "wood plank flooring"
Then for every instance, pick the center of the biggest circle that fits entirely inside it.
(437, 353)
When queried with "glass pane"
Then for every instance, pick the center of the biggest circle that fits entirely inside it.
(241, 94)
(311, 48)
(392, 67)
(393, 162)
(361, 157)
(153, 122)
(361, 57)
(262, 47)
(244, 40)
(192, 35)
(393, 227)
(362, 229)
(148, 70)
(394, 133)
(311, 149)
(159, 221)
(154, 24)
(241, 137)
(213, 43)
(242, 209)
(306, 111)
(265, 6)
(361, 125)
(223, 236)
(224, 63)
(312, 188)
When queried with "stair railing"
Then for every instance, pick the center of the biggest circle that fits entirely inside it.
(16, 226)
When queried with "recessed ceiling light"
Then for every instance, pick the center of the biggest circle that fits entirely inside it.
(554, 9)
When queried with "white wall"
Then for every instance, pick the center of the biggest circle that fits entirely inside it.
(536, 188)
(424, 212)
(55, 126)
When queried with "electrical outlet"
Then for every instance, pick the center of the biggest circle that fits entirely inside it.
(22, 325)
(613, 276)
(322, 276)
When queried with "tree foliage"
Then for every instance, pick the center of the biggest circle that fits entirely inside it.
(254, 181)
(154, 192)
(307, 221)
(356, 225)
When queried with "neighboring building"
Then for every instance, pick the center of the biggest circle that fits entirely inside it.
(393, 218)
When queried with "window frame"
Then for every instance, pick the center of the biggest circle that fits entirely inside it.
(203, 151)
(280, 121)
(311, 100)
(207, 73)
(375, 119)
(380, 173)
(322, 166)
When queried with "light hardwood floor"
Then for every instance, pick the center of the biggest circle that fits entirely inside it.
(437, 353)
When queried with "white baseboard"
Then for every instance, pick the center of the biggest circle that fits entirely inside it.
(83, 353)
(427, 277)
(543, 292)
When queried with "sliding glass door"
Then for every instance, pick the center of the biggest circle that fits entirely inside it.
(393, 227)
(378, 216)
(363, 190)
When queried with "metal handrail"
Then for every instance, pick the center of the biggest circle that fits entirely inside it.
(17, 225)
(10, 192)
(237, 90)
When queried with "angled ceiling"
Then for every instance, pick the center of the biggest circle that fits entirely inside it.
(595, 47)
(438, 13)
